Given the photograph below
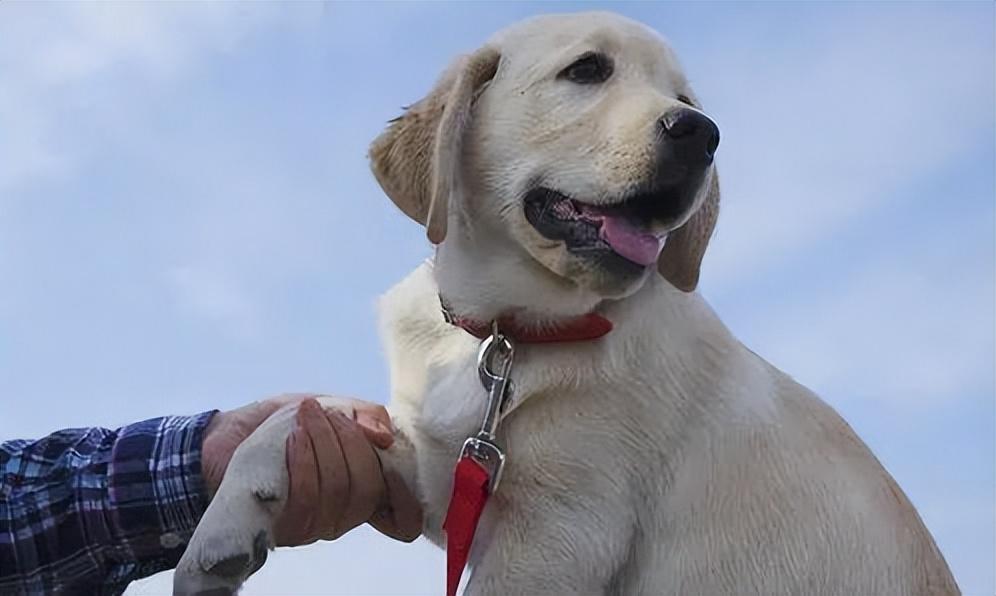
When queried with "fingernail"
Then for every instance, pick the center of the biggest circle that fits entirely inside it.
(373, 423)
(306, 407)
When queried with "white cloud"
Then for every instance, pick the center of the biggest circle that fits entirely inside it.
(49, 53)
(913, 329)
(59, 64)
(819, 135)
(209, 294)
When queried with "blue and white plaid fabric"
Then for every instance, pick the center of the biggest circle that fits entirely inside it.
(86, 511)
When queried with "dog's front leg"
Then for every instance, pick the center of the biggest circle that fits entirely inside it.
(234, 536)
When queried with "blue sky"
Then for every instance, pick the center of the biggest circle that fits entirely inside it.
(187, 221)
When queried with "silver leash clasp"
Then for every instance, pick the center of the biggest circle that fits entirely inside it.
(494, 367)
(496, 349)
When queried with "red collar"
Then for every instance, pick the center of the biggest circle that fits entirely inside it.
(583, 328)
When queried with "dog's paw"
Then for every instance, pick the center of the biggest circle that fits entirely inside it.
(230, 544)
(235, 534)
(219, 563)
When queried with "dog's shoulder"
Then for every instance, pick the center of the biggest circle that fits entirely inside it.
(414, 333)
(407, 307)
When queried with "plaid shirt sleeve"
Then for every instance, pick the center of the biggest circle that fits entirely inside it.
(86, 511)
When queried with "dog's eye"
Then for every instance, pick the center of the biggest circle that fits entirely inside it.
(590, 69)
(685, 100)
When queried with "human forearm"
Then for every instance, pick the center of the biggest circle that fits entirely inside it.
(93, 509)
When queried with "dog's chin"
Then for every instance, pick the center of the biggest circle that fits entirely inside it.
(599, 271)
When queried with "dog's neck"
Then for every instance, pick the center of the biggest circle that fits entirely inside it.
(488, 284)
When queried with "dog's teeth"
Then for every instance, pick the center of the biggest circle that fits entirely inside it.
(563, 209)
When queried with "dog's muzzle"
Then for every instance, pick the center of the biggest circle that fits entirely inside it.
(627, 235)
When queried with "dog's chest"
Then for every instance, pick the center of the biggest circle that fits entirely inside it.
(558, 441)
(577, 412)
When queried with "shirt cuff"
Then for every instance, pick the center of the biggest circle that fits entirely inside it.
(156, 492)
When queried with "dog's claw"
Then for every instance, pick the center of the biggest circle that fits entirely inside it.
(260, 550)
(233, 566)
(219, 566)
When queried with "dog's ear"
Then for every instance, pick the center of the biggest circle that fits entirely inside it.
(681, 258)
(416, 160)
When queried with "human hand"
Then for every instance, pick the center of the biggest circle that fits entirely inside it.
(336, 480)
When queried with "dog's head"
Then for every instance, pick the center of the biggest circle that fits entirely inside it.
(572, 140)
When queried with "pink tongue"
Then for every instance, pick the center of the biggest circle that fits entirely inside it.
(629, 241)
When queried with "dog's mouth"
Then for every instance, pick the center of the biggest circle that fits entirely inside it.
(624, 228)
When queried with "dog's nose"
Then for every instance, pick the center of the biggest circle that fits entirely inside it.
(694, 134)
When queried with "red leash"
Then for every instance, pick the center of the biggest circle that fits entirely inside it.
(470, 495)
(479, 467)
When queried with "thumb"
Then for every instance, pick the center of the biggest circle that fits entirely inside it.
(376, 425)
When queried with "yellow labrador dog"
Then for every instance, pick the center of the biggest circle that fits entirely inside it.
(565, 170)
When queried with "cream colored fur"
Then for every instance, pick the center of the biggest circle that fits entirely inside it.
(664, 458)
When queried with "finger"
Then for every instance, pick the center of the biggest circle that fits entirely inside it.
(366, 483)
(376, 424)
(401, 517)
(296, 520)
(259, 411)
(264, 409)
(333, 477)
